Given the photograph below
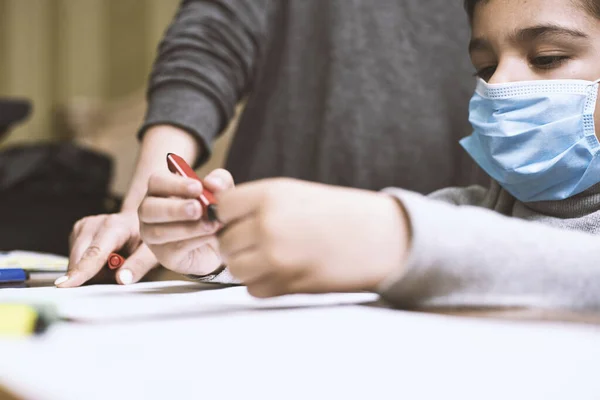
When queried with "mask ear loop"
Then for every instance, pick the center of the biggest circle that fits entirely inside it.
(593, 122)
(593, 83)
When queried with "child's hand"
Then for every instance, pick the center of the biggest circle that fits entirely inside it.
(171, 222)
(284, 236)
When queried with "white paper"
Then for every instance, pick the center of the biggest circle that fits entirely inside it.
(99, 303)
(348, 352)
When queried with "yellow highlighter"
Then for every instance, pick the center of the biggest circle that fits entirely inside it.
(18, 320)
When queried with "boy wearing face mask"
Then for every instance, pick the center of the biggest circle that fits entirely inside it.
(527, 240)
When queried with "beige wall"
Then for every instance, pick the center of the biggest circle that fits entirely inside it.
(57, 51)
(90, 58)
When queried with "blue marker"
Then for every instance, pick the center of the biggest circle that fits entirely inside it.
(12, 275)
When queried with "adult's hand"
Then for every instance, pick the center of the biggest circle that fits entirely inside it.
(94, 238)
(172, 224)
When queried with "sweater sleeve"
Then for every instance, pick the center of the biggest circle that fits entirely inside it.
(205, 64)
(472, 256)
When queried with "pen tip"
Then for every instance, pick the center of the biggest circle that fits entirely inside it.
(211, 213)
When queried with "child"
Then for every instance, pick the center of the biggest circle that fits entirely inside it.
(528, 240)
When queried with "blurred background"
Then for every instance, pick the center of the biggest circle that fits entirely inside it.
(83, 65)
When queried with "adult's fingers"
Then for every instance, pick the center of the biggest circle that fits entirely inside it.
(137, 265)
(160, 209)
(157, 234)
(109, 238)
(197, 256)
(78, 227)
(167, 185)
(80, 240)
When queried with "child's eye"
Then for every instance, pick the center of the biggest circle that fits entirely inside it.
(548, 62)
(486, 73)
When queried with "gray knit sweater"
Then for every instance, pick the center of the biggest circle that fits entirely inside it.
(356, 93)
(477, 247)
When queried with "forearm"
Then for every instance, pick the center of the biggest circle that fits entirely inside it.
(156, 143)
(204, 66)
(469, 256)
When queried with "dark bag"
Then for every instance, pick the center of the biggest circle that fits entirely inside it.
(45, 189)
(12, 111)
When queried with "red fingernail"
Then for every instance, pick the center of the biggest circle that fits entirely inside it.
(115, 261)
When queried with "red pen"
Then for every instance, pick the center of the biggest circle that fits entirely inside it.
(115, 261)
(178, 165)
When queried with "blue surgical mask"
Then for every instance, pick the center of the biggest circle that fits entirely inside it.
(536, 138)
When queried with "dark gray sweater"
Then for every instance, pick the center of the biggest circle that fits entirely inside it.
(349, 92)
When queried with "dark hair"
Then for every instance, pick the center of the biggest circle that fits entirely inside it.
(591, 6)
(470, 7)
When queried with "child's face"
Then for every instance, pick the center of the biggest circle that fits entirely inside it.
(523, 40)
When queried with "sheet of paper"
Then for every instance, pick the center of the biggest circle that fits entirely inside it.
(100, 303)
(29, 260)
(348, 352)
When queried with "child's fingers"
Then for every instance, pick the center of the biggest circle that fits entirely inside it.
(248, 266)
(239, 236)
(218, 180)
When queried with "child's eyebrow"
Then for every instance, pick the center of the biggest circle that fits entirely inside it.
(478, 44)
(530, 34)
(546, 31)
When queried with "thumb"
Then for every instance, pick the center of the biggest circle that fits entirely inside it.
(137, 265)
(219, 180)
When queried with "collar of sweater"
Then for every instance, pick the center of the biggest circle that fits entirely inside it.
(584, 203)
